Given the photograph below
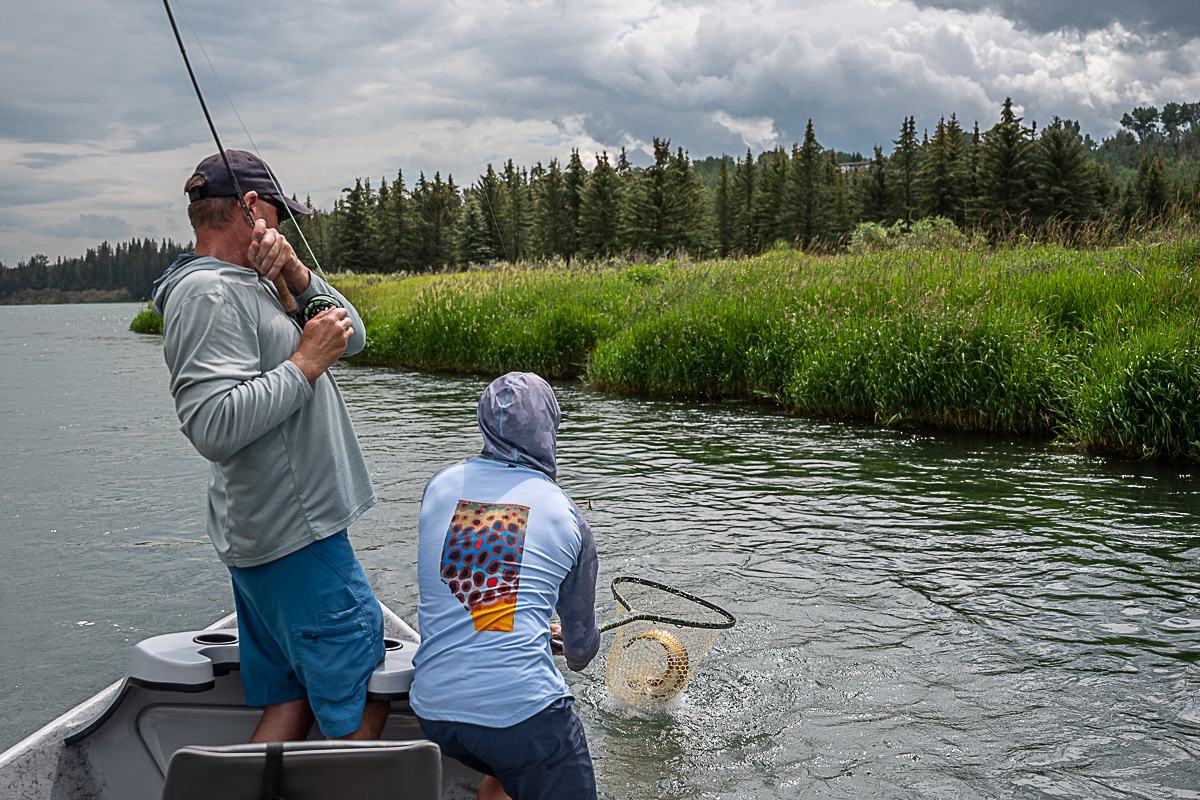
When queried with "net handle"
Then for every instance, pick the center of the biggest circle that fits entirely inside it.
(639, 616)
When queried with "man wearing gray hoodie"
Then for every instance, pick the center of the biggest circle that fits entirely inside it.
(501, 547)
(286, 475)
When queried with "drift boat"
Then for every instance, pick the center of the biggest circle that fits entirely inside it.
(183, 697)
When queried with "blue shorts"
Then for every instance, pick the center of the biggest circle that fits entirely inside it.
(309, 626)
(542, 758)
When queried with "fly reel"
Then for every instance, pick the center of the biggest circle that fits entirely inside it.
(315, 305)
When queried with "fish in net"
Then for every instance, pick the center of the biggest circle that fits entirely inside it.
(662, 635)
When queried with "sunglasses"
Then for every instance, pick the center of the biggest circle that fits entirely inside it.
(280, 209)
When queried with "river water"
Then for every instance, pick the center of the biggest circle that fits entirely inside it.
(920, 615)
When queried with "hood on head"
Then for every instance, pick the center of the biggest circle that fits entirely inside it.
(518, 417)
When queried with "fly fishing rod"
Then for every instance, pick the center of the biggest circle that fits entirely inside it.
(285, 295)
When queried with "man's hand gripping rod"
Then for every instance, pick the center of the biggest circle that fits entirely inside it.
(285, 295)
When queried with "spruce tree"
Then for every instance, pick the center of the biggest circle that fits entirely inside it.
(599, 211)
(643, 226)
(875, 190)
(804, 213)
(905, 161)
(554, 224)
(686, 224)
(1007, 162)
(745, 191)
(724, 208)
(970, 191)
(395, 234)
(472, 240)
(1152, 187)
(940, 178)
(1066, 189)
(840, 217)
(493, 201)
(574, 181)
(517, 219)
(355, 232)
(768, 202)
(436, 205)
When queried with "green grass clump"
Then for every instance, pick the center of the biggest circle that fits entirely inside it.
(146, 322)
(1097, 347)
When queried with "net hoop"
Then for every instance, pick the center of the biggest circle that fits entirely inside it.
(727, 620)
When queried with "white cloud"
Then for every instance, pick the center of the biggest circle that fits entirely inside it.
(757, 133)
(98, 116)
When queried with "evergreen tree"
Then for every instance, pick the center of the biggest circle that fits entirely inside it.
(1108, 191)
(685, 214)
(1006, 172)
(1066, 187)
(472, 239)
(395, 232)
(970, 191)
(724, 208)
(745, 191)
(905, 161)
(1152, 188)
(940, 178)
(642, 220)
(623, 167)
(554, 220)
(804, 214)
(355, 233)
(436, 206)
(1193, 195)
(574, 182)
(768, 202)
(600, 210)
(313, 235)
(840, 217)
(517, 219)
(875, 190)
(493, 201)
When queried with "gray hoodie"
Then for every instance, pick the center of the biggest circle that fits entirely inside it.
(286, 467)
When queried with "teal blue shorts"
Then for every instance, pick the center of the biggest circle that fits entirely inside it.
(309, 627)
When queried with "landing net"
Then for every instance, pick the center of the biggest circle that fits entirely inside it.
(661, 636)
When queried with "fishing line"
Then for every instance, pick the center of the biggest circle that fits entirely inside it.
(246, 130)
(437, 46)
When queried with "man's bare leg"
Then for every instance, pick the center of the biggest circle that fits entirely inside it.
(284, 722)
(374, 716)
(491, 789)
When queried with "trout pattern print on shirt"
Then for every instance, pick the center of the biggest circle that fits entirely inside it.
(481, 561)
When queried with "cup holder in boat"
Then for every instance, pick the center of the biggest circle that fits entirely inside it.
(216, 637)
(392, 644)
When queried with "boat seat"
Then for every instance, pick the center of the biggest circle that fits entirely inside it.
(318, 770)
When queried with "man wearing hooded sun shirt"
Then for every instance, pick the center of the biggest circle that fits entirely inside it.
(501, 547)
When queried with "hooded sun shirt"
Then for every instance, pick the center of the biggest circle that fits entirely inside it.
(501, 547)
(285, 464)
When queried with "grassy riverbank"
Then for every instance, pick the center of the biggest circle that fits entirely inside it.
(1098, 348)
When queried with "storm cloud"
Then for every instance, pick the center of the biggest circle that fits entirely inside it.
(98, 117)
(1165, 18)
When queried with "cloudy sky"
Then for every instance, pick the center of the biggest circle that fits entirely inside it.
(99, 126)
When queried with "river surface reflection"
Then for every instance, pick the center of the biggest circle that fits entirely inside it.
(920, 615)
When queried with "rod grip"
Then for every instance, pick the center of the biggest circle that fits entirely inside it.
(285, 295)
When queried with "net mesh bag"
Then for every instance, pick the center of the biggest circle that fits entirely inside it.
(662, 634)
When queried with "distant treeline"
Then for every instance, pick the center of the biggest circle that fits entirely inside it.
(1011, 178)
(125, 271)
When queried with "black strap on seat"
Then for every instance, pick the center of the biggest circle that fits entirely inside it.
(273, 772)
